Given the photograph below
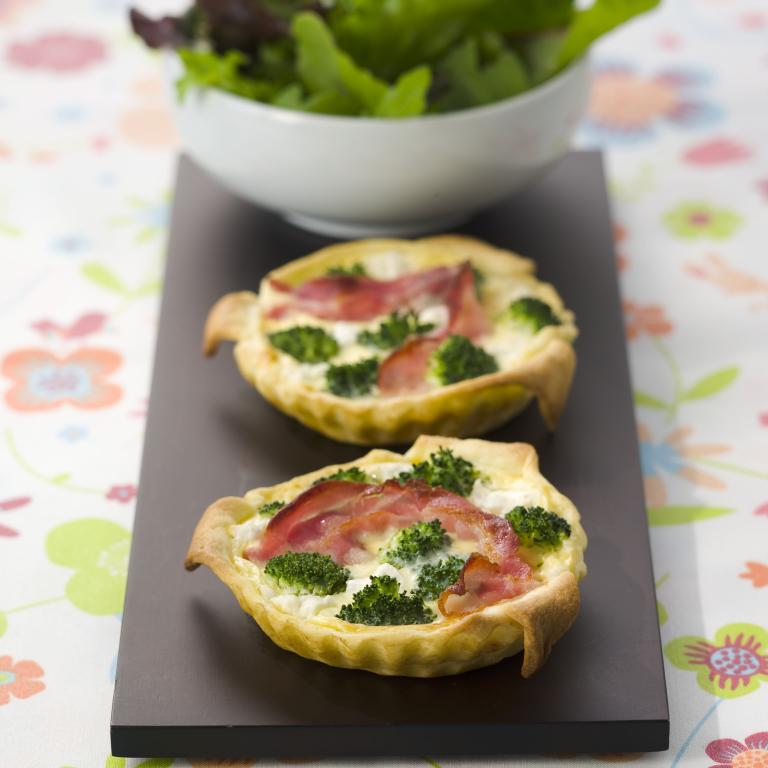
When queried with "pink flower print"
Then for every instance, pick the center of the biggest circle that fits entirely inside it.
(91, 322)
(646, 319)
(669, 457)
(731, 281)
(43, 381)
(19, 680)
(148, 123)
(619, 235)
(670, 41)
(10, 10)
(754, 20)
(628, 107)
(8, 505)
(757, 573)
(733, 665)
(753, 753)
(717, 152)
(58, 52)
(122, 493)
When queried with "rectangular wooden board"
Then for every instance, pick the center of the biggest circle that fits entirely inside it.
(196, 676)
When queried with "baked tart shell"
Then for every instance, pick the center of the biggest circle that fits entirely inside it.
(467, 408)
(531, 623)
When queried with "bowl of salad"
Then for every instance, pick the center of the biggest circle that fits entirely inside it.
(379, 117)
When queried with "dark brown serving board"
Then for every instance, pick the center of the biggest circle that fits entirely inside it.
(196, 677)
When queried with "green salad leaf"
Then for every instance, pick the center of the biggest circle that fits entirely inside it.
(480, 72)
(524, 17)
(380, 58)
(205, 69)
(541, 54)
(598, 19)
(391, 36)
(329, 73)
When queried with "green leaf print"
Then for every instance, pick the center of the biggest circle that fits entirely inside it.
(662, 611)
(103, 276)
(680, 515)
(699, 219)
(649, 401)
(711, 384)
(3, 623)
(98, 552)
(153, 762)
(711, 660)
(9, 230)
(148, 288)
(707, 386)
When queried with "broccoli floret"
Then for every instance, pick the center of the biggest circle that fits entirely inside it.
(305, 343)
(416, 541)
(457, 359)
(435, 577)
(307, 572)
(353, 379)
(351, 475)
(354, 270)
(532, 313)
(270, 508)
(394, 331)
(537, 527)
(381, 603)
(445, 470)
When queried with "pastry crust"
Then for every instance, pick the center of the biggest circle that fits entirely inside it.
(467, 408)
(531, 623)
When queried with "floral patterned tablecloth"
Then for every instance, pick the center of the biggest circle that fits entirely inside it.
(680, 104)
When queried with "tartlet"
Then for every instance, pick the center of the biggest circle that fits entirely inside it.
(511, 593)
(447, 289)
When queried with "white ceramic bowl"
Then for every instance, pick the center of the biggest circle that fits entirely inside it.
(353, 177)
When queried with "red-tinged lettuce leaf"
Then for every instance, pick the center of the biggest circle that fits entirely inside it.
(165, 32)
(597, 20)
(226, 25)
(241, 25)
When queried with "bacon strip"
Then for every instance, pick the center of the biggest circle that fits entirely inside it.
(482, 582)
(467, 316)
(311, 515)
(361, 298)
(336, 520)
(405, 370)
